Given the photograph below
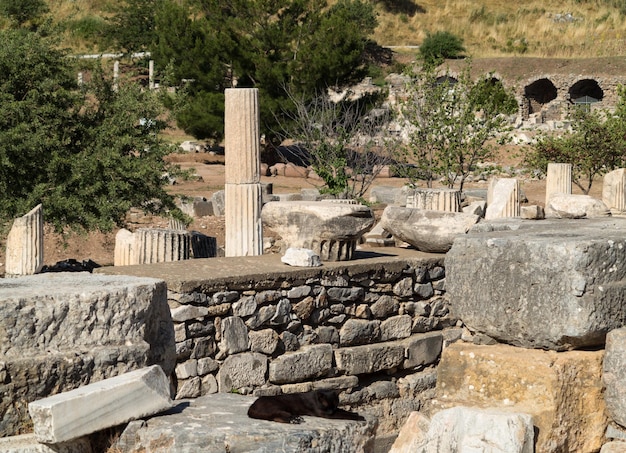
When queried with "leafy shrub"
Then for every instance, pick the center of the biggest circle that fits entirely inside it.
(441, 45)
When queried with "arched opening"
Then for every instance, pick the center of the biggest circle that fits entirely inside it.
(539, 93)
(585, 92)
(446, 79)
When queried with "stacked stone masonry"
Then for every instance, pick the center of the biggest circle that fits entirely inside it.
(375, 333)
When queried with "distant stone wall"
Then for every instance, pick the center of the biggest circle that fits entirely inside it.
(374, 328)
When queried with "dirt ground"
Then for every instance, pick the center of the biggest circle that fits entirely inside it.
(209, 178)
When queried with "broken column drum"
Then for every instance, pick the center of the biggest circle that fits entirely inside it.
(24, 249)
(558, 180)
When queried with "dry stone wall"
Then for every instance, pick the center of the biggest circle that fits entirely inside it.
(374, 330)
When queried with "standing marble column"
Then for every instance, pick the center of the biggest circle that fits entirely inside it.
(151, 75)
(558, 180)
(614, 191)
(244, 233)
(24, 249)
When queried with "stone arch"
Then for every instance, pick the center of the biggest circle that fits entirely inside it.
(539, 93)
(589, 88)
(451, 80)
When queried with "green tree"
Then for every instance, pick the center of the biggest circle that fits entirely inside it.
(595, 145)
(452, 123)
(87, 154)
(23, 11)
(302, 46)
(439, 46)
(131, 27)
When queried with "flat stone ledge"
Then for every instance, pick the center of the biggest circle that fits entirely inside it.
(251, 272)
(219, 423)
(27, 443)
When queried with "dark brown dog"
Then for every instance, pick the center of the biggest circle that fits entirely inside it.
(291, 407)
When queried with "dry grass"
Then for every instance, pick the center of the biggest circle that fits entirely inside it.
(490, 28)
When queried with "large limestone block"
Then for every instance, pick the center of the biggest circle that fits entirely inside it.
(553, 285)
(62, 330)
(428, 231)
(219, 423)
(614, 375)
(24, 246)
(461, 429)
(101, 405)
(331, 230)
(569, 206)
(561, 391)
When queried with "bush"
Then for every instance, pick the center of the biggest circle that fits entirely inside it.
(439, 46)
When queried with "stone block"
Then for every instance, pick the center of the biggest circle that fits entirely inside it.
(94, 407)
(301, 257)
(614, 375)
(568, 206)
(553, 284)
(428, 231)
(158, 245)
(562, 391)
(448, 200)
(614, 447)
(234, 336)
(369, 358)
(422, 349)
(27, 443)
(219, 422)
(558, 180)
(242, 370)
(307, 363)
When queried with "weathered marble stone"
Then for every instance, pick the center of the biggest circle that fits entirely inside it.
(440, 199)
(331, 230)
(103, 404)
(614, 375)
(264, 341)
(24, 244)
(242, 370)
(503, 198)
(428, 231)
(395, 327)
(301, 257)
(306, 363)
(614, 447)
(553, 284)
(218, 423)
(369, 358)
(158, 245)
(570, 206)
(27, 443)
(561, 391)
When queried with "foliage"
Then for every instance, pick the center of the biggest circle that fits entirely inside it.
(23, 11)
(439, 46)
(87, 154)
(301, 45)
(451, 123)
(131, 27)
(595, 145)
(346, 143)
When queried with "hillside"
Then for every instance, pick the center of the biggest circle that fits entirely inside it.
(491, 28)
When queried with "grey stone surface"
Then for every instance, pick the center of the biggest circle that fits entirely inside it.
(308, 362)
(234, 335)
(359, 331)
(428, 231)
(369, 358)
(218, 423)
(395, 327)
(570, 206)
(301, 257)
(242, 370)
(264, 341)
(422, 349)
(556, 284)
(614, 375)
(616, 446)
(62, 330)
(27, 443)
(104, 404)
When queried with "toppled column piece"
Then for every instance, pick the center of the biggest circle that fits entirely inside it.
(156, 245)
(428, 231)
(24, 249)
(448, 200)
(100, 405)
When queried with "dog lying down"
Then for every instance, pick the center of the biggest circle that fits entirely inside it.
(291, 407)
